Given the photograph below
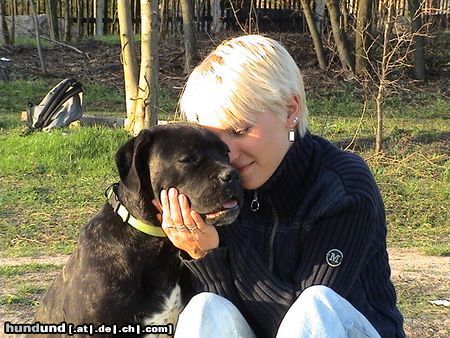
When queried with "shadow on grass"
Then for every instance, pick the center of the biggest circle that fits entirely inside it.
(400, 137)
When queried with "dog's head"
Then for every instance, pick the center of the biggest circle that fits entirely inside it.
(186, 157)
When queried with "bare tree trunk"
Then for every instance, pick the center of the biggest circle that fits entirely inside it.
(317, 41)
(151, 116)
(190, 41)
(345, 17)
(79, 19)
(52, 15)
(419, 41)
(361, 38)
(175, 27)
(38, 41)
(340, 38)
(164, 19)
(147, 103)
(129, 60)
(319, 15)
(67, 21)
(380, 117)
(12, 31)
(382, 78)
(215, 12)
(99, 16)
(4, 25)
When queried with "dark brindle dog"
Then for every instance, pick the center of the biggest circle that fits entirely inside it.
(121, 275)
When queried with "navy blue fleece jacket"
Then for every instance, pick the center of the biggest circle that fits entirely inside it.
(321, 220)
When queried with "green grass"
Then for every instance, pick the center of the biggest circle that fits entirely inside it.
(23, 285)
(19, 270)
(22, 295)
(51, 183)
(31, 41)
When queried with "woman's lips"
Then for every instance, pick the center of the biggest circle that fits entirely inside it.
(243, 169)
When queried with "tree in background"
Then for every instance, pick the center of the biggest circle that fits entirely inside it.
(190, 41)
(361, 36)
(215, 12)
(164, 14)
(52, 15)
(340, 37)
(99, 16)
(415, 9)
(79, 19)
(67, 21)
(38, 39)
(141, 87)
(4, 25)
(315, 35)
(129, 60)
(393, 48)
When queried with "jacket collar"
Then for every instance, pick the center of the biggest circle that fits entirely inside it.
(286, 188)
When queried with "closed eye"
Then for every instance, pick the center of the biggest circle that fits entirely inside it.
(188, 159)
(241, 132)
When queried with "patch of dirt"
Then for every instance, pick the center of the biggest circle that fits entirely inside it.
(416, 276)
(418, 280)
(56, 260)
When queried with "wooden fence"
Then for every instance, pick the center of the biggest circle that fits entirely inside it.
(267, 15)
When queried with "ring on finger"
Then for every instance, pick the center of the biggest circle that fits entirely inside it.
(181, 227)
(192, 228)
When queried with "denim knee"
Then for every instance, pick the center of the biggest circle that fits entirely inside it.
(321, 312)
(204, 300)
(209, 315)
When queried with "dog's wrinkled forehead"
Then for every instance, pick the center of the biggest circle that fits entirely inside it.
(178, 142)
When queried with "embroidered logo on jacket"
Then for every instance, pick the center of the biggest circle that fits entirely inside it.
(334, 257)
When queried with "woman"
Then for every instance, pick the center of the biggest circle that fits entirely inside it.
(307, 256)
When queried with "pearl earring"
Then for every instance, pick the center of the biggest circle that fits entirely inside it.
(291, 135)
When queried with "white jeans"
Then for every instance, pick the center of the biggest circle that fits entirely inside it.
(318, 312)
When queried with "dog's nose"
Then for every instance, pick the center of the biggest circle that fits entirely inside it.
(229, 175)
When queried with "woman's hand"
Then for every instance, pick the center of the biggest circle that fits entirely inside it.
(185, 227)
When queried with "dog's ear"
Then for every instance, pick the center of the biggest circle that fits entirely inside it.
(132, 161)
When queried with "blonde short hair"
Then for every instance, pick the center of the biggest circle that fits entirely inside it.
(241, 77)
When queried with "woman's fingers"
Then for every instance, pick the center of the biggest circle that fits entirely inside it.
(185, 212)
(175, 210)
(185, 227)
(199, 222)
(167, 220)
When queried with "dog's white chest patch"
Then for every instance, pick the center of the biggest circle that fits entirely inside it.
(169, 313)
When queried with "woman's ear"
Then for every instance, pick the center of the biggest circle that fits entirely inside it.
(293, 111)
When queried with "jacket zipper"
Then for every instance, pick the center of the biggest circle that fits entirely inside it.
(272, 236)
(254, 206)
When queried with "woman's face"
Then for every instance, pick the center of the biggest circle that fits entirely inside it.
(256, 150)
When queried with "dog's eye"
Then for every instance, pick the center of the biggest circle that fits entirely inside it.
(188, 159)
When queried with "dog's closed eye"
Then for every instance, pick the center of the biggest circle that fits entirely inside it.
(188, 159)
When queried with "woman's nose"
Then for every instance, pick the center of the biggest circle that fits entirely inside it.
(233, 155)
(232, 146)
